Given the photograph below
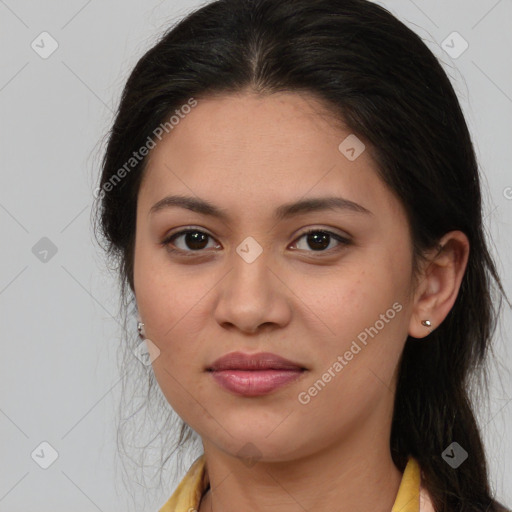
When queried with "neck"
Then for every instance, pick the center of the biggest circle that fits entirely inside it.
(355, 475)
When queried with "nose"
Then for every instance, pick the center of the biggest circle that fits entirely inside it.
(252, 297)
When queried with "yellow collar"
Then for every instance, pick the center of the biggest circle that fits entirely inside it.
(190, 490)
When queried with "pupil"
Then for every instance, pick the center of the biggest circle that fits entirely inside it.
(316, 244)
(193, 240)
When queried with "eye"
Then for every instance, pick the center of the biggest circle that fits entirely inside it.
(319, 240)
(195, 240)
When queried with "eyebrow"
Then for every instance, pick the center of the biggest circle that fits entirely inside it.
(282, 212)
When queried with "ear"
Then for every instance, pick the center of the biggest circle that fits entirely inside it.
(439, 283)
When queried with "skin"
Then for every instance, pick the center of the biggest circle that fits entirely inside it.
(248, 155)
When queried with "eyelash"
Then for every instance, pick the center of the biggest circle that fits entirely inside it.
(167, 242)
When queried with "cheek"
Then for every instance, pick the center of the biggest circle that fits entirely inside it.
(165, 305)
(164, 293)
(356, 299)
(365, 312)
(358, 357)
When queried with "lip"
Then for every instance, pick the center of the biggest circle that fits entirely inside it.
(254, 374)
(259, 361)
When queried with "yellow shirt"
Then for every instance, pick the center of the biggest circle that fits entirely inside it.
(411, 497)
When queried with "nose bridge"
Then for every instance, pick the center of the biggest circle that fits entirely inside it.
(250, 294)
(250, 274)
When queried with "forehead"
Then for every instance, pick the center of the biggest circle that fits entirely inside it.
(249, 151)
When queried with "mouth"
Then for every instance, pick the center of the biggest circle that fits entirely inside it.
(253, 375)
(254, 362)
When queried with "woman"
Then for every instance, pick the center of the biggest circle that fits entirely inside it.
(293, 198)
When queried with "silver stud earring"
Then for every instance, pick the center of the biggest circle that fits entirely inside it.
(426, 323)
(140, 328)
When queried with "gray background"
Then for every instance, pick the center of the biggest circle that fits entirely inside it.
(59, 381)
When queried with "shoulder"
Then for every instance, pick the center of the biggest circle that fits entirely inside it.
(187, 495)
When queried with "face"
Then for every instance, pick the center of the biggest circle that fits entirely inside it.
(336, 301)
